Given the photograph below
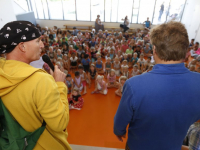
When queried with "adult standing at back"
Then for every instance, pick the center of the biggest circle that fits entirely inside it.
(31, 95)
(98, 24)
(147, 23)
(161, 11)
(126, 25)
(160, 105)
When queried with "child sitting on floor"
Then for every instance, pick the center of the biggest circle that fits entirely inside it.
(126, 72)
(147, 64)
(83, 78)
(66, 62)
(112, 79)
(73, 62)
(116, 66)
(122, 80)
(134, 59)
(111, 54)
(99, 65)
(92, 74)
(108, 66)
(77, 81)
(124, 63)
(141, 62)
(86, 62)
(75, 101)
(119, 55)
(100, 85)
(69, 83)
(135, 71)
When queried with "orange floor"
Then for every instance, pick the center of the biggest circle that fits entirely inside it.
(93, 124)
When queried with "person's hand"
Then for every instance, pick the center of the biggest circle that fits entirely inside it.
(58, 75)
(120, 137)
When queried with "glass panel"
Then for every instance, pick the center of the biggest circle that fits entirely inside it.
(34, 8)
(45, 7)
(136, 4)
(114, 11)
(107, 10)
(161, 11)
(83, 10)
(38, 4)
(55, 9)
(135, 16)
(22, 3)
(146, 10)
(69, 9)
(125, 6)
(97, 8)
(175, 10)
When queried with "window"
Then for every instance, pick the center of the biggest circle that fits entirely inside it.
(124, 5)
(39, 9)
(83, 10)
(175, 10)
(158, 11)
(161, 11)
(136, 5)
(114, 8)
(97, 8)
(45, 9)
(55, 9)
(33, 6)
(69, 9)
(107, 10)
(146, 10)
(23, 4)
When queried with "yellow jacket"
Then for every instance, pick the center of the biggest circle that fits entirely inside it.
(32, 95)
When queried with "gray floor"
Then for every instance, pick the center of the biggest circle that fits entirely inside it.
(80, 147)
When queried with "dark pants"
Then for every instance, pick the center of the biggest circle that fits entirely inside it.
(124, 27)
(86, 68)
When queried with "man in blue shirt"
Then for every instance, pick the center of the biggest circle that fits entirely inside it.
(159, 106)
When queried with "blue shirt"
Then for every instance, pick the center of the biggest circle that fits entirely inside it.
(159, 107)
(92, 43)
(147, 24)
(85, 62)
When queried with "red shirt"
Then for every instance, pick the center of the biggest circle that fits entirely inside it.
(72, 51)
(124, 48)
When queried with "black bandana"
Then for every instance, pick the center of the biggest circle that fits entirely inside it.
(16, 32)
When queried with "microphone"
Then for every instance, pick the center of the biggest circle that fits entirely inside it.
(47, 60)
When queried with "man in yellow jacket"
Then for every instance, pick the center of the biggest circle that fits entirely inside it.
(31, 95)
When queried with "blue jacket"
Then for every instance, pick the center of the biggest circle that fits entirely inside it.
(159, 107)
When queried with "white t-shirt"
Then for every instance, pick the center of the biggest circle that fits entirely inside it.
(79, 35)
(73, 59)
(141, 61)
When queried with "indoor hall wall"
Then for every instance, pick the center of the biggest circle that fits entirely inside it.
(60, 23)
(191, 19)
(7, 13)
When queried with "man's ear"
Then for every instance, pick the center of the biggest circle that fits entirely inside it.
(21, 47)
(154, 49)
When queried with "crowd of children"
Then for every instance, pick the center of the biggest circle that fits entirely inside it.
(98, 55)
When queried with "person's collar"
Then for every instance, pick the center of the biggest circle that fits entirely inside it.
(169, 69)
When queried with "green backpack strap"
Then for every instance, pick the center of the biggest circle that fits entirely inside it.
(13, 136)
